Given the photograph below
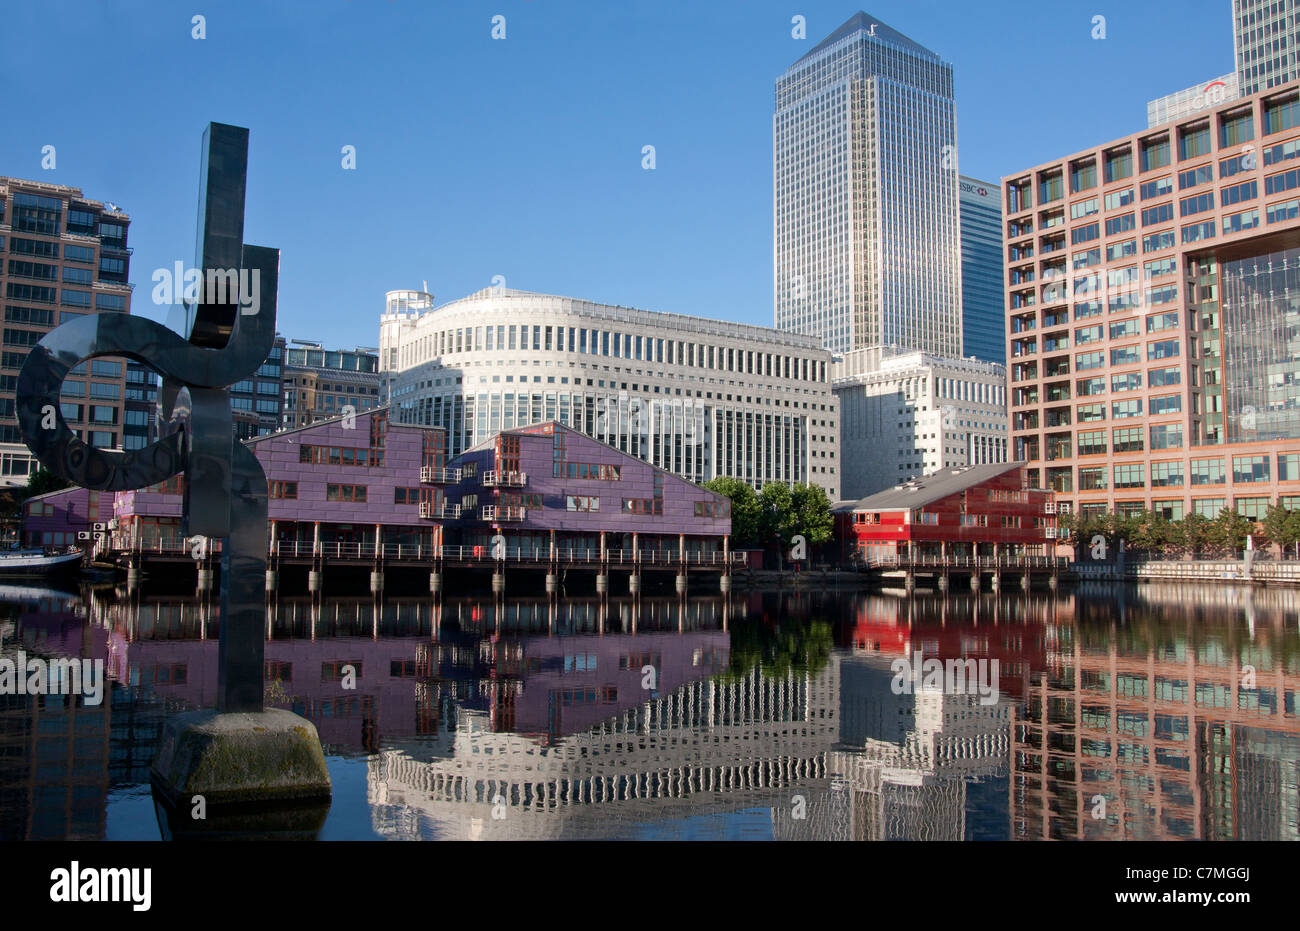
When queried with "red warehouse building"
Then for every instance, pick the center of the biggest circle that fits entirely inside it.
(980, 510)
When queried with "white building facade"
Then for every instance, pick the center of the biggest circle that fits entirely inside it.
(701, 398)
(911, 414)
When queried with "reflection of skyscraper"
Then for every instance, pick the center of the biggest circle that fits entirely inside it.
(867, 248)
(908, 762)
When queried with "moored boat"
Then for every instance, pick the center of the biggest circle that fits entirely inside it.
(36, 563)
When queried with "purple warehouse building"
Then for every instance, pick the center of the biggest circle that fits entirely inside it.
(547, 483)
(362, 480)
(56, 517)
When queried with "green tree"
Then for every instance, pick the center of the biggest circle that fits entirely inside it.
(42, 481)
(1150, 532)
(1190, 535)
(778, 522)
(1228, 532)
(1274, 527)
(812, 510)
(746, 511)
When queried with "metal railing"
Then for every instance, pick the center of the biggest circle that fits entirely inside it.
(431, 476)
(430, 511)
(305, 549)
(499, 512)
(494, 478)
(963, 562)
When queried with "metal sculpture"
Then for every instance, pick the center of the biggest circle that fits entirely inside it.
(225, 487)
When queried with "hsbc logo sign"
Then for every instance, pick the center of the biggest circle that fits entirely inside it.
(977, 189)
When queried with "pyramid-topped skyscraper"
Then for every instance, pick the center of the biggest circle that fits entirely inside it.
(867, 247)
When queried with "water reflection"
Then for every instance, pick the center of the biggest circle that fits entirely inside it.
(1149, 712)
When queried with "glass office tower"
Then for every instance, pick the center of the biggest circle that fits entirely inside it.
(983, 316)
(866, 237)
(1264, 36)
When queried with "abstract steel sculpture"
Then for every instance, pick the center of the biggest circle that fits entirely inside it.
(225, 487)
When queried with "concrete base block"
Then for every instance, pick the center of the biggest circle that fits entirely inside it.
(272, 580)
(498, 581)
(602, 583)
(376, 582)
(205, 580)
(435, 581)
(975, 581)
(724, 583)
(681, 584)
(313, 580)
(552, 583)
(273, 756)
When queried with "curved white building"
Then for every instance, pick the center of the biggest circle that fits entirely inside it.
(701, 398)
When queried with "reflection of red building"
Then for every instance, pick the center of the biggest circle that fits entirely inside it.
(1009, 630)
(977, 510)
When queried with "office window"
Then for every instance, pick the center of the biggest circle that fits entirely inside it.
(1128, 439)
(1122, 409)
(1092, 478)
(1167, 436)
(1164, 349)
(1252, 508)
(1092, 442)
(1155, 153)
(1207, 472)
(1208, 507)
(1288, 467)
(1157, 188)
(1281, 113)
(1168, 404)
(1247, 469)
(1166, 475)
(1130, 475)
(1194, 141)
(1119, 165)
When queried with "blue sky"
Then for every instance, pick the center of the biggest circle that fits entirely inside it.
(522, 157)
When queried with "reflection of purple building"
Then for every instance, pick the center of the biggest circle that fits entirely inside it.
(538, 686)
(530, 483)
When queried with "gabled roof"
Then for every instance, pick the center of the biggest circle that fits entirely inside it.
(862, 22)
(535, 429)
(918, 492)
(279, 434)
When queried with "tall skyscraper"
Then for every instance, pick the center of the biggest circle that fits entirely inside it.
(1153, 303)
(64, 256)
(983, 320)
(866, 235)
(1264, 37)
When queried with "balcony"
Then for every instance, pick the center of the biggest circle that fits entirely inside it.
(498, 513)
(431, 511)
(496, 479)
(431, 476)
